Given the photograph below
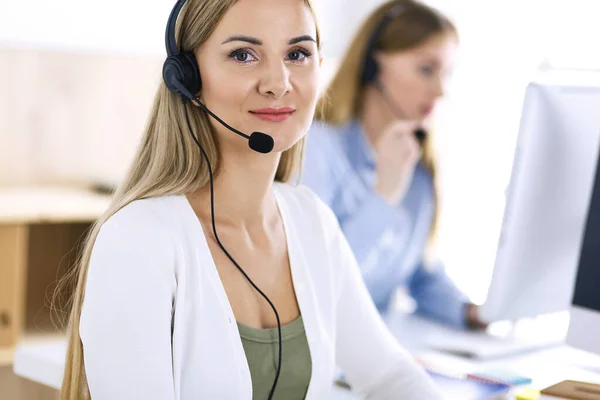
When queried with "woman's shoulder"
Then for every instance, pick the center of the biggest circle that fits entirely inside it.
(138, 242)
(140, 212)
(148, 221)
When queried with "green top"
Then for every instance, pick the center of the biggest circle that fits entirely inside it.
(262, 351)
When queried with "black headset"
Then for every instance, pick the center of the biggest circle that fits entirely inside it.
(371, 68)
(181, 75)
(370, 72)
(179, 66)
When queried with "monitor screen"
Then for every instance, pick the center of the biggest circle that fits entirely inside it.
(587, 293)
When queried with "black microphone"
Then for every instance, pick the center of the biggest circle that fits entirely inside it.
(258, 141)
(421, 135)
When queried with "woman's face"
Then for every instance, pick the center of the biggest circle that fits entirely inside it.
(260, 70)
(415, 78)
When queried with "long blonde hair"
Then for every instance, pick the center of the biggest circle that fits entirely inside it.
(343, 99)
(167, 162)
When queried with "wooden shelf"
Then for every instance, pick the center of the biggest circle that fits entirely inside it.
(41, 232)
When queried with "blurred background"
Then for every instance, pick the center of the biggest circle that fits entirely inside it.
(77, 79)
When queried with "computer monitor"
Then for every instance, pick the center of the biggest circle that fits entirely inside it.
(584, 325)
(547, 200)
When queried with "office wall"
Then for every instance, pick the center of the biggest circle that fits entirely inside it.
(71, 117)
(76, 80)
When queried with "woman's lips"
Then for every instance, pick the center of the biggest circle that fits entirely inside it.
(273, 114)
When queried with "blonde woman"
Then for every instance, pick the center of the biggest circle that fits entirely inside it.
(370, 160)
(161, 309)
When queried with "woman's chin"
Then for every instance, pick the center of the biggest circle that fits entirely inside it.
(285, 141)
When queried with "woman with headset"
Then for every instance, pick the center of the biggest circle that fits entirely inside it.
(210, 277)
(369, 158)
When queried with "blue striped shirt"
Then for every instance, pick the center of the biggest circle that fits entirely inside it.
(388, 242)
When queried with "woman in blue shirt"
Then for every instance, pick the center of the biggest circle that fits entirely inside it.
(369, 158)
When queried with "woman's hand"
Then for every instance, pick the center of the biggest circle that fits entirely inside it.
(398, 152)
(472, 317)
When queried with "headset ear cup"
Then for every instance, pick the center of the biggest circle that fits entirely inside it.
(370, 70)
(172, 70)
(193, 79)
(183, 68)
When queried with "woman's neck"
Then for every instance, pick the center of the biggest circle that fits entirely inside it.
(243, 193)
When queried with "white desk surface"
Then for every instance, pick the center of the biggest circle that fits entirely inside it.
(42, 360)
(35, 204)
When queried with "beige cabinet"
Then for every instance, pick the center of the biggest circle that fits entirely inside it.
(41, 232)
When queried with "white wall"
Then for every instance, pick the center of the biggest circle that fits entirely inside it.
(69, 117)
(77, 79)
(136, 26)
(338, 22)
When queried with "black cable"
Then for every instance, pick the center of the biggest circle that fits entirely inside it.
(214, 227)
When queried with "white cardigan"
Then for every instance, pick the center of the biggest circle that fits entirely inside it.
(156, 322)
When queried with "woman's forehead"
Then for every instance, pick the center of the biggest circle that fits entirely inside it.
(266, 20)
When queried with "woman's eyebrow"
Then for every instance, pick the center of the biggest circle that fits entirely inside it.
(302, 38)
(253, 40)
(243, 38)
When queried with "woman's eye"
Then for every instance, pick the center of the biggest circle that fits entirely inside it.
(242, 56)
(427, 70)
(298, 55)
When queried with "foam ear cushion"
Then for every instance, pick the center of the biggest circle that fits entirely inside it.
(184, 68)
(370, 70)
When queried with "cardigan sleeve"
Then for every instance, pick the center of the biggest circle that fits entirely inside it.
(125, 324)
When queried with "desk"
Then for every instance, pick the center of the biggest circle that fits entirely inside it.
(39, 228)
(43, 360)
(545, 366)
